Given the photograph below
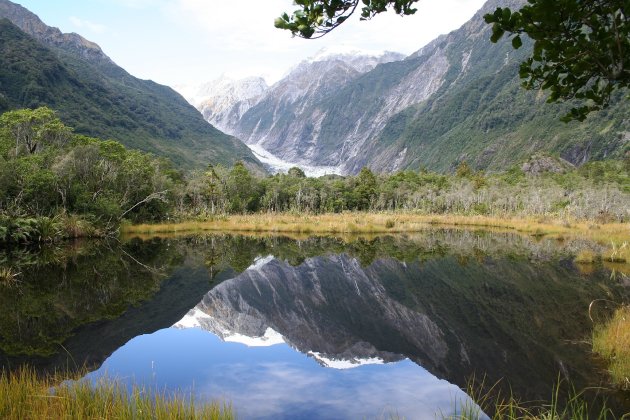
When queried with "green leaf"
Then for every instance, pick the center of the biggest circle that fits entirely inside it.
(497, 33)
(517, 42)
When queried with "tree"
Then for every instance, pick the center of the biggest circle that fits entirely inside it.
(366, 188)
(241, 189)
(33, 128)
(581, 48)
(316, 18)
(296, 172)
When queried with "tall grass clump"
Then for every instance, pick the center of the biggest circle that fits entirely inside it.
(611, 340)
(491, 402)
(24, 395)
(8, 276)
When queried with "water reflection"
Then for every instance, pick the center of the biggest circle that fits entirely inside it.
(314, 327)
(278, 382)
(493, 316)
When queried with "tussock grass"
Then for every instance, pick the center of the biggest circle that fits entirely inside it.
(614, 236)
(612, 341)
(23, 395)
(8, 276)
(491, 402)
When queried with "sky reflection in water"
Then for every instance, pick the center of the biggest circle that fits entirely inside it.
(278, 381)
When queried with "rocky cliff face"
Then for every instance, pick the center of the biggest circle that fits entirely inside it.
(223, 102)
(277, 121)
(32, 25)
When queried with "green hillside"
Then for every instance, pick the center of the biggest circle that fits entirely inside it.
(102, 100)
(482, 115)
(479, 113)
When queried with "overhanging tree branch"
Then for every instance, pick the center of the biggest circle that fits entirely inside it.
(153, 196)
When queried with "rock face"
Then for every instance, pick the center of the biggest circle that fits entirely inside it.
(32, 25)
(224, 101)
(296, 134)
(540, 164)
(310, 317)
(458, 98)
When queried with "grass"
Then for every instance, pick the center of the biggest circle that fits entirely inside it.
(586, 256)
(24, 395)
(614, 237)
(611, 340)
(491, 402)
(8, 276)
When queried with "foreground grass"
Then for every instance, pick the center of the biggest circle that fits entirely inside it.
(614, 236)
(612, 341)
(23, 395)
(493, 403)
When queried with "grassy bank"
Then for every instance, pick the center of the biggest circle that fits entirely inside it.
(23, 395)
(615, 237)
(562, 405)
(44, 229)
(612, 341)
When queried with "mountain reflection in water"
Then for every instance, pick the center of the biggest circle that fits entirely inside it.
(322, 328)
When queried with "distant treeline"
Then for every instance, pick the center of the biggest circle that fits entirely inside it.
(599, 191)
(54, 183)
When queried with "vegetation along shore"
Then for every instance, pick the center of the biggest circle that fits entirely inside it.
(58, 184)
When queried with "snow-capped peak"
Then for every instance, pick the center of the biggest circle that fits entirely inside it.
(196, 318)
(340, 51)
(224, 90)
(344, 363)
(361, 60)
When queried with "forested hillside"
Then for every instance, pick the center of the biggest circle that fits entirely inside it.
(92, 94)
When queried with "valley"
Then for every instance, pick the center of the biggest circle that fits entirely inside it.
(256, 225)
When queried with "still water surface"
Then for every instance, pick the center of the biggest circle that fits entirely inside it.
(311, 328)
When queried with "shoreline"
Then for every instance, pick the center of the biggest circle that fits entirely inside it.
(614, 236)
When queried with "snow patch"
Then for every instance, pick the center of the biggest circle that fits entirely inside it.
(260, 262)
(334, 51)
(270, 338)
(279, 165)
(196, 317)
(192, 319)
(345, 364)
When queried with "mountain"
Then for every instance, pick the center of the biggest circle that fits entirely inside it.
(271, 122)
(224, 101)
(451, 316)
(39, 66)
(458, 98)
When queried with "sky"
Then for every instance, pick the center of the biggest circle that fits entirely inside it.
(189, 42)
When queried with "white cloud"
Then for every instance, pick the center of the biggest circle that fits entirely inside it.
(86, 24)
(135, 4)
(240, 37)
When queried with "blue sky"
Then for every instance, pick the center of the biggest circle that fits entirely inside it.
(183, 42)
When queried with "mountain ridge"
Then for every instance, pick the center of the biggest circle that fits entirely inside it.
(456, 99)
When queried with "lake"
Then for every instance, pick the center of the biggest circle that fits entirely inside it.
(374, 327)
